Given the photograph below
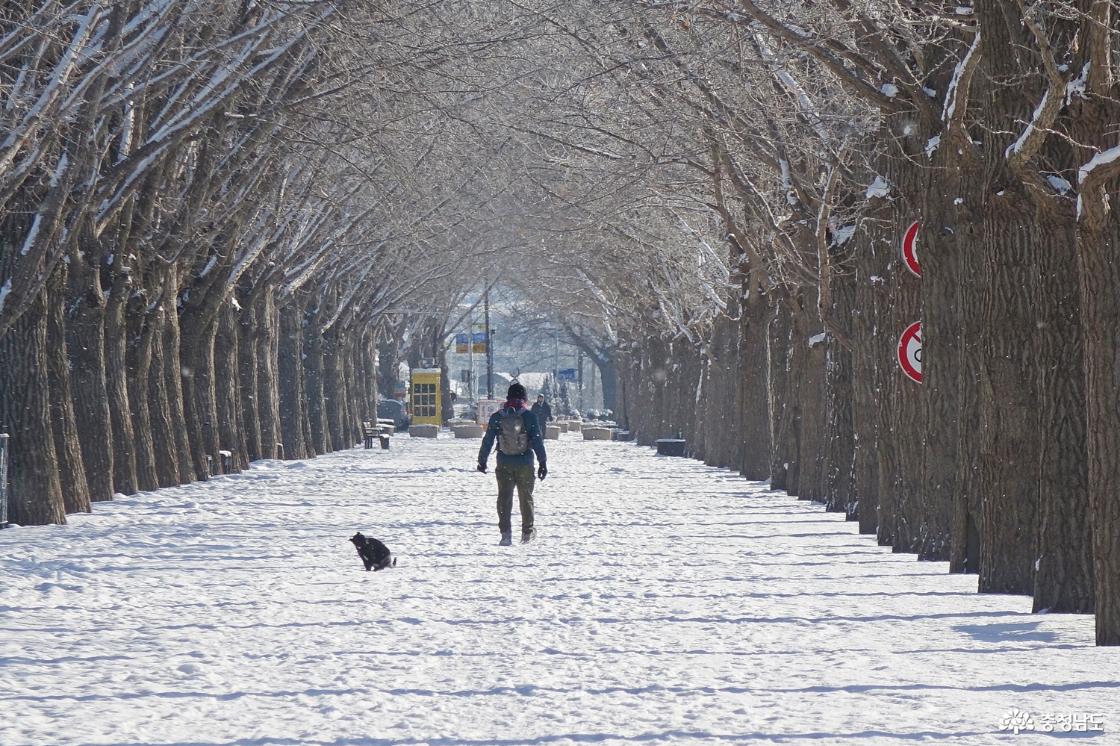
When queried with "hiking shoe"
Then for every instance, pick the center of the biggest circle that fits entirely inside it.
(507, 540)
(528, 536)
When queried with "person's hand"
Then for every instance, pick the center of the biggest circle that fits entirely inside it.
(481, 467)
(542, 471)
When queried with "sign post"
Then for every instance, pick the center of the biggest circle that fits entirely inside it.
(910, 351)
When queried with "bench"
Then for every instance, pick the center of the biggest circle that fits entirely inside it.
(370, 431)
(467, 430)
(671, 446)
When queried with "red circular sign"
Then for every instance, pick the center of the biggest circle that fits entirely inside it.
(910, 248)
(910, 351)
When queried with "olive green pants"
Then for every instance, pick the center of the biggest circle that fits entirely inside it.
(522, 477)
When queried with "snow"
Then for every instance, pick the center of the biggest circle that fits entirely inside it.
(931, 146)
(843, 234)
(817, 339)
(209, 266)
(5, 291)
(1016, 146)
(663, 601)
(1103, 158)
(1077, 86)
(1100, 159)
(955, 81)
(890, 90)
(879, 188)
(1061, 186)
(32, 234)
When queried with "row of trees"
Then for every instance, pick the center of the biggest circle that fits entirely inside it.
(201, 240)
(211, 217)
(994, 129)
(728, 189)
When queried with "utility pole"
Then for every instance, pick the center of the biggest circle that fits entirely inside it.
(489, 347)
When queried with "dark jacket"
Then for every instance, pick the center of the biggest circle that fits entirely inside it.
(532, 429)
(543, 413)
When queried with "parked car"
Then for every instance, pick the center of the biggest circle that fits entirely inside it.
(394, 409)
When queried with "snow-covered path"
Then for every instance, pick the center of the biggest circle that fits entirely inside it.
(664, 601)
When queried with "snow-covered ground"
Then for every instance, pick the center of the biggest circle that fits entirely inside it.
(664, 602)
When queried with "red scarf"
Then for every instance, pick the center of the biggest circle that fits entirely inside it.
(518, 404)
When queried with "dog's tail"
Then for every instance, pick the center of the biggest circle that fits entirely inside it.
(394, 562)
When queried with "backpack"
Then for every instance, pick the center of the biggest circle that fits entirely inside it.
(513, 438)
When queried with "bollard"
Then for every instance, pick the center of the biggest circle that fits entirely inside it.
(280, 451)
(209, 465)
(3, 480)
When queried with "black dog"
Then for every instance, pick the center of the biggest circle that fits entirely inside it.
(375, 555)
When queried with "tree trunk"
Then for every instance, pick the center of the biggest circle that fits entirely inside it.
(334, 391)
(811, 440)
(226, 394)
(34, 490)
(247, 377)
(175, 372)
(783, 397)
(1064, 577)
(1009, 453)
(85, 347)
(840, 446)
(1098, 245)
(290, 379)
(754, 410)
(314, 371)
(907, 521)
(125, 478)
(870, 365)
(197, 351)
(72, 475)
(139, 323)
(164, 424)
(608, 371)
(267, 322)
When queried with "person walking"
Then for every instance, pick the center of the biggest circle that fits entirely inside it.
(543, 413)
(518, 435)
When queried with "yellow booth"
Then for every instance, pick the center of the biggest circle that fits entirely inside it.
(427, 402)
